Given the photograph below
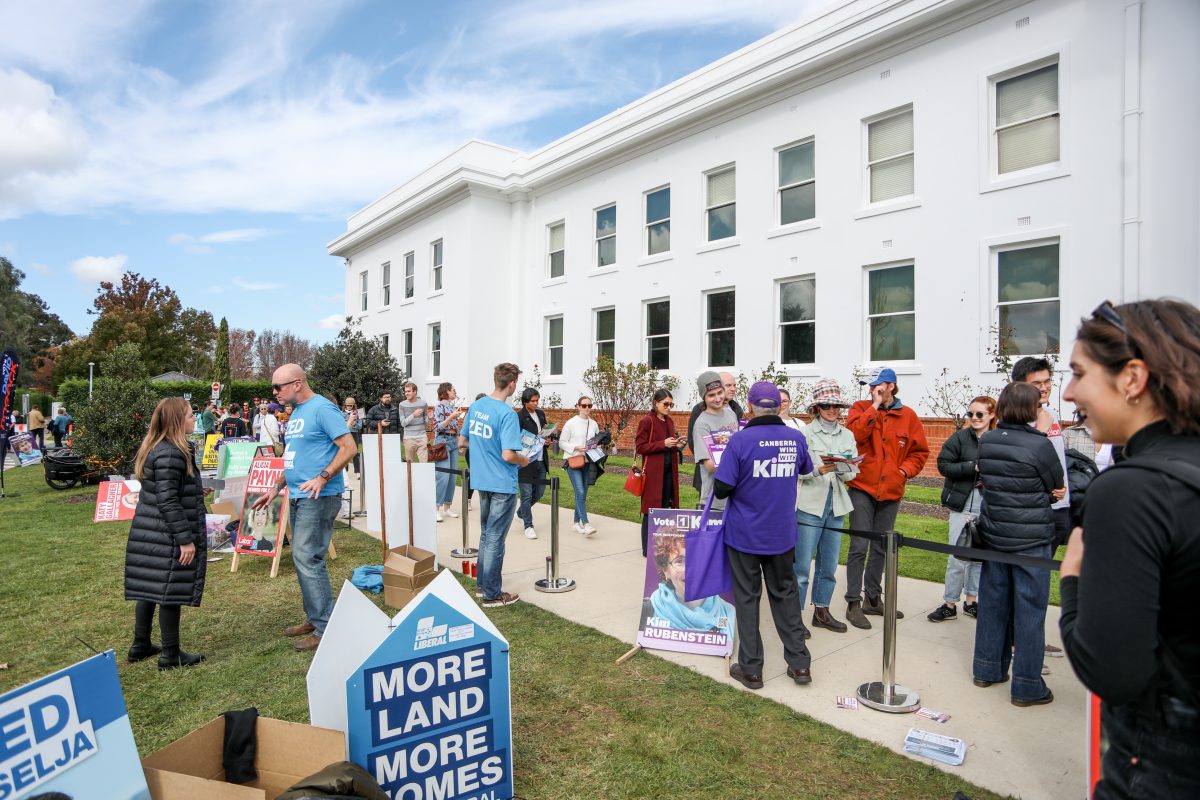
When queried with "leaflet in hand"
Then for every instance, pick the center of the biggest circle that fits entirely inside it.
(845, 464)
(595, 451)
(716, 442)
(946, 749)
(532, 445)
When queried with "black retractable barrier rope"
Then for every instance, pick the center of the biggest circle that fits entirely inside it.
(965, 553)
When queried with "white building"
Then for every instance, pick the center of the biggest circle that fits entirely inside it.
(886, 182)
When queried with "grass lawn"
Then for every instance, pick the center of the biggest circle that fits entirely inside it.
(582, 727)
(609, 498)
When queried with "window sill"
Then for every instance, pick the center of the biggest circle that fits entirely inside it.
(657, 258)
(437, 293)
(554, 281)
(410, 301)
(554, 379)
(794, 227)
(1027, 176)
(719, 244)
(802, 370)
(902, 204)
(899, 367)
(611, 268)
(384, 309)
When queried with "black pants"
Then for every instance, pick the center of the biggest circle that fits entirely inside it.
(39, 435)
(58, 437)
(1150, 756)
(1062, 528)
(168, 625)
(867, 514)
(749, 572)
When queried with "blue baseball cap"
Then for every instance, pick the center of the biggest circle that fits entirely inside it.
(880, 375)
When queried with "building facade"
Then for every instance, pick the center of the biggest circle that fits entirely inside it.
(916, 183)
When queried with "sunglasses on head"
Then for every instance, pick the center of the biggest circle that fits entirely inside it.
(976, 414)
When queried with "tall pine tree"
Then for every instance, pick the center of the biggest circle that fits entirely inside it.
(221, 372)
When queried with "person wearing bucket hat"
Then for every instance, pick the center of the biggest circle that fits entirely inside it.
(823, 501)
(717, 417)
(892, 442)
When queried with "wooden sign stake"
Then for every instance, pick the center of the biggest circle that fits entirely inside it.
(382, 499)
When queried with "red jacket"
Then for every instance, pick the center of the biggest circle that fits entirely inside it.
(649, 444)
(889, 441)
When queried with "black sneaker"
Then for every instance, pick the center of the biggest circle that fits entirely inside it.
(971, 610)
(1041, 701)
(943, 613)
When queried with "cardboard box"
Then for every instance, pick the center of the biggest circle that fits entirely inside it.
(399, 590)
(408, 560)
(190, 767)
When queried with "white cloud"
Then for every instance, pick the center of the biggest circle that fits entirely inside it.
(256, 286)
(39, 135)
(94, 269)
(40, 268)
(333, 322)
(200, 244)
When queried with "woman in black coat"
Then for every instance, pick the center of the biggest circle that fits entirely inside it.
(1021, 474)
(165, 558)
(531, 419)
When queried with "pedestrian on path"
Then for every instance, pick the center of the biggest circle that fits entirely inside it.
(447, 421)
(532, 420)
(661, 450)
(716, 418)
(577, 433)
(414, 417)
(37, 427)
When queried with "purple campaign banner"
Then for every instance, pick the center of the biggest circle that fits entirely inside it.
(703, 626)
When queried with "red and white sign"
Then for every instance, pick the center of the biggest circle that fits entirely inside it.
(261, 530)
(116, 501)
(265, 474)
(216, 390)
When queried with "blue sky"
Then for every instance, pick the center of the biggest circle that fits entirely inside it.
(219, 146)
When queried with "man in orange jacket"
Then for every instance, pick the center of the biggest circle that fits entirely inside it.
(891, 440)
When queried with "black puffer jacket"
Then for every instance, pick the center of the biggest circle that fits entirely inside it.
(957, 461)
(1019, 468)
(170, 513)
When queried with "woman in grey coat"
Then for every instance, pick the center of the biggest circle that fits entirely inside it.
(165, 557)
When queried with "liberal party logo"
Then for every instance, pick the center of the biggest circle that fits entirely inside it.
(41, 736)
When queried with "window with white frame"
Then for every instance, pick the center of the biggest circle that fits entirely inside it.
(435, 350)
(658, 334)
(798, 321)
(406, 351)
(1026, 119)
(385, 339)
(658, 221)
(386, 283)
(363, 287)
(606, 333)
(557, 254)
(1027, 299)
(435, 271)
(554, 345)
(606, 235)
(719, 332)
(891, 314)
(410, 275)
(720, 204)
(890, 156)
(797, 183)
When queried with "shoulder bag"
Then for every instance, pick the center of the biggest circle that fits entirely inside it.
(707, 567)
(635, 481)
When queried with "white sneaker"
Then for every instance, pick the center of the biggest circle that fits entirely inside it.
(439, 515)
(450, 512)
(579, 527)
(530, 533)
(587, 529)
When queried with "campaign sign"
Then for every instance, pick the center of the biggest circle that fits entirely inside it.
(209, 459)
(234, 458)
(116, 500)
(27, 453)
(703, 626)
(260, 531)
(427, 713)
(69, 733)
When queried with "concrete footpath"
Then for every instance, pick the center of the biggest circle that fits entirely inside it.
(1037, 752)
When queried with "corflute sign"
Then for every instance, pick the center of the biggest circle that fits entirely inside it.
(428, 711)
(69, 733)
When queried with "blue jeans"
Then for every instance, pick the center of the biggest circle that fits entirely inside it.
(813, 538)
(1012, 611)
(445, 481)
(531, 493)
(312, 528)
(495, 517)
(962, 575)
(580, 486)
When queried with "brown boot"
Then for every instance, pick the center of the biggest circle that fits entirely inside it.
(855, 616)
(823, 619)
(299, 630)
(310, 642)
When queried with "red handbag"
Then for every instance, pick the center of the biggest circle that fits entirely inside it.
(635, 481)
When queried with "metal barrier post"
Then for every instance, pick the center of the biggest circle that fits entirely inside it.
(553, 583)
(887, 695)
(466, 551)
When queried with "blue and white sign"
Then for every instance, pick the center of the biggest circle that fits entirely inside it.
(427, 712)
(69, 733)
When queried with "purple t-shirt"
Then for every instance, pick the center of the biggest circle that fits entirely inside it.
(763, 462)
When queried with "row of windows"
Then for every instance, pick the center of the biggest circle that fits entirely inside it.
(1026, 314)
(1025, 122)
(410, 270)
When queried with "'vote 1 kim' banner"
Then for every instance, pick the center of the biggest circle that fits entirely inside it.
(68, 734)
(703, 626)
(426, 704)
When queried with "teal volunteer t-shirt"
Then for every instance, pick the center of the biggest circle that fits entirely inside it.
(491, 427)
(311, 432)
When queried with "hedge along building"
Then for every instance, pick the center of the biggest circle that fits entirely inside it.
(887, 182)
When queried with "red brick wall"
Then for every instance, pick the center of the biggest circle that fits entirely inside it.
(937, 431)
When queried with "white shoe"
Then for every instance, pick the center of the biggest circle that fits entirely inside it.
(439, 515)
(587, 529)
(530, 533)
(451, 513)
(579, 527)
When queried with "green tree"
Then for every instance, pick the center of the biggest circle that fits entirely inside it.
(27, 326)
(621, 389)
(355, 366)
(220, 371)
(110, 427)
(149, 314)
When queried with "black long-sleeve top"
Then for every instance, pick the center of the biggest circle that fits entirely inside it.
(1140, 576)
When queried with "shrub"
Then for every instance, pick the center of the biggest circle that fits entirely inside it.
(110, 428)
